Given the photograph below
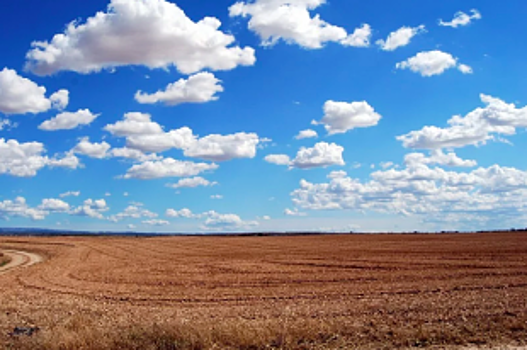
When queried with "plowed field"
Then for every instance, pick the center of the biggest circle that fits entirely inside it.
(356, 291)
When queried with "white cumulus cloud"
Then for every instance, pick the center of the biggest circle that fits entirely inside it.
(340, 117)
(401, 37)
(54, 205)
(156, 222)
(91, 208)
(278, 159)
(292, 22)
(463, 68)
(359, 38)
(133, 154)
(167, 167)
(192, 182)
(183, 213)
(306, 134)
(60, 99)
(432, 63)
(26, 159)
(476, 128)
(132, 212)
(461, 19)
(321, 155)
(226, 222)
(214, 221)
(69, 120)
(143, 134)
(180, 138)
(198, 88)
(438, 157)
(20, 208)
(431, 193)
(92, 150)
(220, 148)
(134, 124)
(19, 95)
(153, 33)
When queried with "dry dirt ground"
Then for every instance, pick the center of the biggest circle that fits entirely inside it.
(307, 292)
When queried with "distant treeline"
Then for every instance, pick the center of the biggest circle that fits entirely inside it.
(51, 232)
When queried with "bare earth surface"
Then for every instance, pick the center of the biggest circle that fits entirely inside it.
(311, 292)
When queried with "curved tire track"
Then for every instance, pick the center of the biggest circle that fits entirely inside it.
(19, 259)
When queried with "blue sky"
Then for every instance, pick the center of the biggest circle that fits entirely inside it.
(206, 116)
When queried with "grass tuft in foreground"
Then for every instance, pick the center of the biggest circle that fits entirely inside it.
(300, 335)
(4, 259)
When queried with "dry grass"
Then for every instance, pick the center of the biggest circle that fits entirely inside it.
(4, 259)
(329, 292)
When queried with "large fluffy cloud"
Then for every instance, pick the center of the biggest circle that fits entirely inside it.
(199, 88)
(220, 148)
(20, 208)
(26, 159)
(153, 33)
(20, 95)
(54, 205)
(422, 190)
(143, 134)
(461, 19)
(340, 117)
(476, 128)
(91, 208)
(400, 37)
(291, 21)
(69, 120)
(92, 149)
(440, 158)
(174, 139)
(321, 155)
(432, 63)
(134, 124)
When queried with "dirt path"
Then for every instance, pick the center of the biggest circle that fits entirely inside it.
(19, 259)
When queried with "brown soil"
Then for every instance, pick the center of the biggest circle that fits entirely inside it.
(313, 292)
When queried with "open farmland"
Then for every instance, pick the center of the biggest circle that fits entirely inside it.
(308, 292)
